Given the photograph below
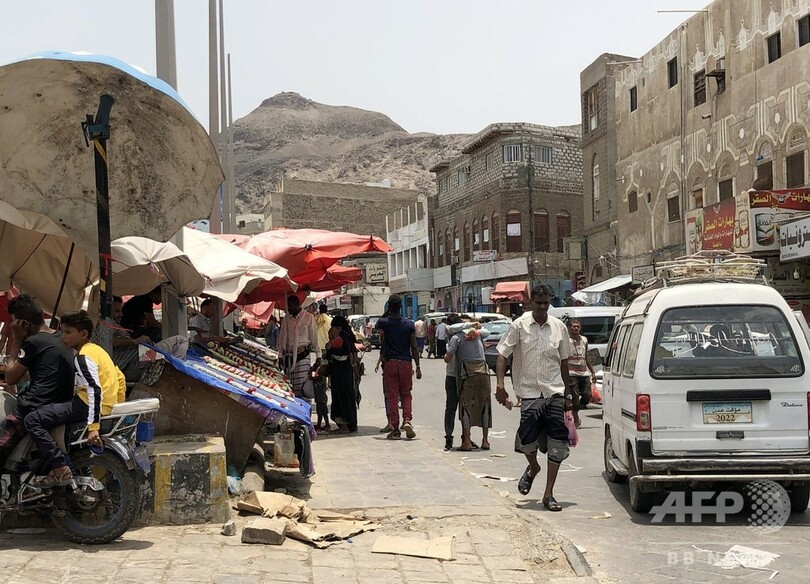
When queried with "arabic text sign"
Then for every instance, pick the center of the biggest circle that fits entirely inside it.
(485, 255)
(794, 240)
(768, 206)
(718, 225)
(642, 273)
(376, 273)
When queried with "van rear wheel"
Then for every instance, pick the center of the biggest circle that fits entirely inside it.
(609, 455)
(640, 502)
(799, 497)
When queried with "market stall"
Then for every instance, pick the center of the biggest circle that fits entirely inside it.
(247, 373)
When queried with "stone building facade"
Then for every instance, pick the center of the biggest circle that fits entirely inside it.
(309, 204)
(504, 210)
(721, 105)
(599, 152)
(409, 261)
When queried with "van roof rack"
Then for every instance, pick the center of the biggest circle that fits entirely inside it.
(707, 266)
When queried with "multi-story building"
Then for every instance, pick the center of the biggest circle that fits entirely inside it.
(310, 204)
(410, 274)
(599, 144)
(505, 210)
(718, 107)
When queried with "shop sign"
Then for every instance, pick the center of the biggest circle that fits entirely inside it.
(794, 240)
(376, 273)
(769, 207)
(345, 301)
(485, 255)
(718, 225)
(641, 274)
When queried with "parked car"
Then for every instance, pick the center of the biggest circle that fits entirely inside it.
(496, 329)
(374, 339)
(597, 322)
(706, 382)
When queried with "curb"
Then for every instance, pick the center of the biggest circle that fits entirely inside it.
(576, 559)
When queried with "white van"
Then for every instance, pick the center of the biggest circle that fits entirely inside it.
(597, 322)
(707, 381)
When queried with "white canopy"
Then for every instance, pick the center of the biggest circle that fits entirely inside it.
(611, 284)
(141, 264)
(228, 270)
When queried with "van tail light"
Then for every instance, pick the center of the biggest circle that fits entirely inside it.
(643, 413)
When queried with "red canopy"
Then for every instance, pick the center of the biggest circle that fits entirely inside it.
(311, 280)
(298, 250)
(511, 292)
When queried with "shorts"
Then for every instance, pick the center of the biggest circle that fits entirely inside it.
(420, 343)
(542, 427)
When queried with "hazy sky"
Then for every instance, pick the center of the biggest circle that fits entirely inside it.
(431, 65)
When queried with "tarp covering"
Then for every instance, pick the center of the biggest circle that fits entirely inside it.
(295, 409)
(511, 292)
(141, 264)
(611, 284)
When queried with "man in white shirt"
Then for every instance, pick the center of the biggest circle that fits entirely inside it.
(441, 339)
(200, 324)
(421, 334)
(538, 344)
(297, 338)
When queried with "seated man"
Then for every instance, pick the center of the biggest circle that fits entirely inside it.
(138, 315)
(38, 351)
(200, 325)
(99, 385)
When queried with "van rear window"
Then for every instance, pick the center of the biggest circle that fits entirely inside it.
(729, 341)
(596, 329)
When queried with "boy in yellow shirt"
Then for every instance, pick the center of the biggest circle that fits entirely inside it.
(98, 386)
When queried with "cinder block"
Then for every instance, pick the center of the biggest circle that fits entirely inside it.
(188, 483)
(267, 531)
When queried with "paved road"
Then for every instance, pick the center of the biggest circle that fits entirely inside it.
(626, 547)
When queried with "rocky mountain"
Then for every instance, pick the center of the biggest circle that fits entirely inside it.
(291, 136)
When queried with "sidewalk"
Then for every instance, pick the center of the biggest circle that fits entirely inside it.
(389, 481)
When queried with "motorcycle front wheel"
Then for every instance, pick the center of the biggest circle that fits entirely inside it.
(97, 517)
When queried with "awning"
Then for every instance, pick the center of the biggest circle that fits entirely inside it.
(611, 284)
(511, 291)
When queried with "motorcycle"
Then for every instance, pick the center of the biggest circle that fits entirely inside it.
(103, 499)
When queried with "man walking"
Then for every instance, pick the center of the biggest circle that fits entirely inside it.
(441, 339)
(539, 346)
(579, 369)
(421, 334)
(397, 348)
(297, 338)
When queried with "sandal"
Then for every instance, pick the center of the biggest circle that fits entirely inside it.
(551, 504)
(525, 482)
(460, 449)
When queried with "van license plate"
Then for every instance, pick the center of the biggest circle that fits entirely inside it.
(727, 413)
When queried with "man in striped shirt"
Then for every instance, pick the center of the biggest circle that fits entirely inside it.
(98, 386)
(579, 369)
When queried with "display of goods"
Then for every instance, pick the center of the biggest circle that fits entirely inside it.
(277, 384)
(247, 351)
(263, 394)
(254, 348)
(237, 358)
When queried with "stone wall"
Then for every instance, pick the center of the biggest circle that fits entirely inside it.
(304, 204)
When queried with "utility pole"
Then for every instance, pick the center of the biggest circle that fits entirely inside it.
(530, 185)
(174, 316)
(215, 224)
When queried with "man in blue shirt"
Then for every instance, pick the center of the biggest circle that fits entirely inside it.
(397, 348)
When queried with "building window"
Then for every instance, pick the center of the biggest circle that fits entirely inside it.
(543, 154)
(632, 201)
(514, 233)
(795, 170)
(541, 235)
(462, 176)
(595, 179)
(513, 153)
(674, 208)
(439, 248)
(696, 198)
(633, 98)
(447, 183)
(804, 30)
(456, 241)
(725, 189)
(672, 72)
(466, 242)
(563, 230)
(485, 231)
(774, 47)
(496, 232)
(448, 249)
(592, 108)
(476, 235)
(764, 179)
(700, 87)
(489, 161)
